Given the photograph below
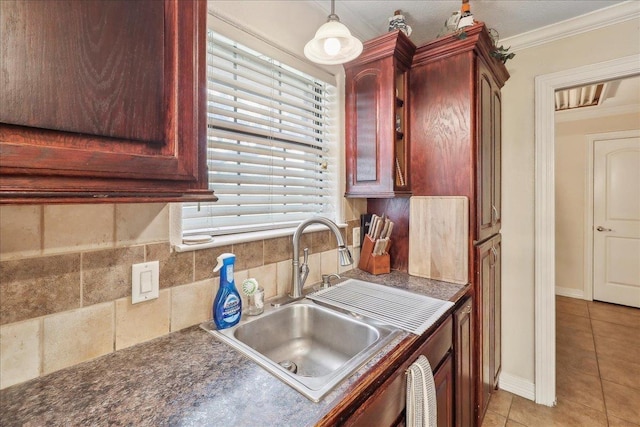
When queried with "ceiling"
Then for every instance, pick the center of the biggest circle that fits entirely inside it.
(370, 18)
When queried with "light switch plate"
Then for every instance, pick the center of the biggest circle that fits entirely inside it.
(145, 281)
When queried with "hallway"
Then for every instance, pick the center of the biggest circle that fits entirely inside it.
(597, 371)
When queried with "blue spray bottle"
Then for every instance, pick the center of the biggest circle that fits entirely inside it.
(227, 305)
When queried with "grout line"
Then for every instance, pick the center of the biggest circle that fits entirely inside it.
(509, 409)
(604, 399)
(41, 349)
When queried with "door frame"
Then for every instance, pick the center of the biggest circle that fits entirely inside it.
(588, 218)
(544, 236)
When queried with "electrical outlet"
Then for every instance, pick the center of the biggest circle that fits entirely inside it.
(145, 281)
(356, 237)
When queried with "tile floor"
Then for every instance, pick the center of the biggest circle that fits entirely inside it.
(597, 371)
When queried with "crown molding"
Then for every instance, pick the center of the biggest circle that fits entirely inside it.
(611, 15)
(587, 113)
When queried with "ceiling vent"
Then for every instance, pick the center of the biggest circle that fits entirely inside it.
(578, 97)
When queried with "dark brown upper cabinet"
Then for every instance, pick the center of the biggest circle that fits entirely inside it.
(377, 138)
(103, 100)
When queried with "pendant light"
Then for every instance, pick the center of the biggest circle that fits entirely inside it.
(333, 43)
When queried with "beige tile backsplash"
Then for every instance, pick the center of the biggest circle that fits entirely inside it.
(192, 303)
(106, 274)
(35, 287)
(137, 223)
(136, 323)
(72, 337)
(20, 345)
(266, 275)
(21, 231)
(65, 280)
(81, 227)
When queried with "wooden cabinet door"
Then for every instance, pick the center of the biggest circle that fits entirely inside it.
(464, 369)
(370, 129)
(488, 181)
(443, 379)
(496, 288)
(489, 319)
(497, 159)
(376, 102)
(364, 92)
(484, 260)
(102, 99)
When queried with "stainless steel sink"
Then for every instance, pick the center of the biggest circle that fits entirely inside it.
(309, 347)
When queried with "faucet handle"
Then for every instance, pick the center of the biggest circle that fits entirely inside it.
(304, 268)
(326, 279)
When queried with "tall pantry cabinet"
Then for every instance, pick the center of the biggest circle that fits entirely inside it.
(455, 121)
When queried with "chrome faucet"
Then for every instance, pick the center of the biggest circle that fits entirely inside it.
(300, 272)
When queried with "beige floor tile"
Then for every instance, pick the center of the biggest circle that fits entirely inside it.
(571, 321)
(573, 306)
(500, 402)
(613, 313)
(613, 330)
(491, 419)
(575, 339)
(580, 388)
(622, 402)
(618, 371)
(591, 380)
(617, 422)
(576, 360)
(612, 347)
(565, 414)
(511, 423)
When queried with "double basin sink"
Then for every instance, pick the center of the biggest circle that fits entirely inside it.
(308, 346)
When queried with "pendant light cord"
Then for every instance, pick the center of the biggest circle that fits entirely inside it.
(333, 16)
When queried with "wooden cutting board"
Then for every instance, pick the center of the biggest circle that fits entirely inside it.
(439, 237)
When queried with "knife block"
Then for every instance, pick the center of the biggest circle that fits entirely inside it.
(374, 264)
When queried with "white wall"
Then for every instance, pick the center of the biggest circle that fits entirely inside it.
(518, 148)
(289, 25)
(571, 184)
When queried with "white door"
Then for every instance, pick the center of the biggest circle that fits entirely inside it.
(616, 221)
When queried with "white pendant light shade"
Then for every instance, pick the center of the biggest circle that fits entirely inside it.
(333, 43)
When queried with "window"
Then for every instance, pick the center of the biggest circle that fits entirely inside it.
(269, 144)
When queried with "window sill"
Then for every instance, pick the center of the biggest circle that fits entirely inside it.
(248, 237)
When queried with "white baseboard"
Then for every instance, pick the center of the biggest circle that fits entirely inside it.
(570, 292)
(517, 385)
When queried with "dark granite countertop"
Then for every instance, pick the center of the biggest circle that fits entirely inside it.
(187, 378)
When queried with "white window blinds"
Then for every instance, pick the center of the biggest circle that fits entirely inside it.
(267, 144)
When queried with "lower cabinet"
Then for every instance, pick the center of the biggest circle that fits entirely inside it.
(386, 407)
(488, 258)
(463, 362)
(443, 379)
